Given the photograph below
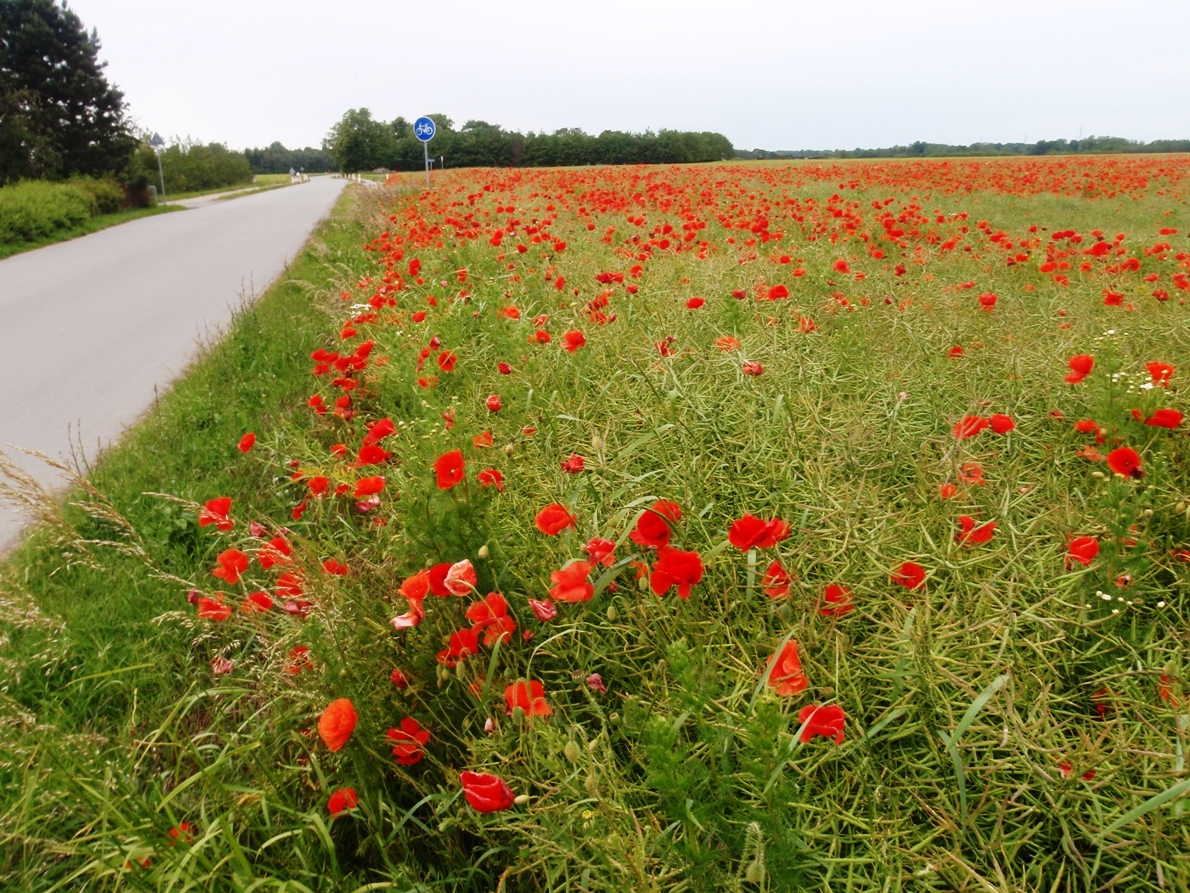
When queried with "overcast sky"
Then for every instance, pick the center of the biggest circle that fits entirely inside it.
(768, 74)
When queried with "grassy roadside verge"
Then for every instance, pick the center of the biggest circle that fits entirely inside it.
(93, 225)
(85, 673)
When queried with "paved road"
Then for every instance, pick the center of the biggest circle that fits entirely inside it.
(89, 327)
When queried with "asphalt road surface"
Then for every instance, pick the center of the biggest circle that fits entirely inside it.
(89, 327)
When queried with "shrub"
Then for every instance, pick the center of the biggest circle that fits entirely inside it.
(34, 210)
(105, 196)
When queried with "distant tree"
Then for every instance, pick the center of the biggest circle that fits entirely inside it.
(276, 159)
(360, 143)
(58, 114)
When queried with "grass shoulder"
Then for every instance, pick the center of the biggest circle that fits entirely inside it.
(85, 669)
(92, 225)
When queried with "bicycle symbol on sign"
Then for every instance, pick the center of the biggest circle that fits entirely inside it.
(423, 129)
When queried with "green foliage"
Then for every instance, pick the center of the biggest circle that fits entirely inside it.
(34, 210)
(105, 196)
(359, 143)
(276, 159)
(58, 114)
(963, 698)
(191, 166)
(1091, 145)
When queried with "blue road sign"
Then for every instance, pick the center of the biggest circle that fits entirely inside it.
(423, 129)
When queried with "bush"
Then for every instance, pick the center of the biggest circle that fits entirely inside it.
(191, 167)
(34, 210)
(105, 196)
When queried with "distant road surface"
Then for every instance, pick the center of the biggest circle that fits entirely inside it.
(88, 327)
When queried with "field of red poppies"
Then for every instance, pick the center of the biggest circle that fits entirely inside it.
(723, 527)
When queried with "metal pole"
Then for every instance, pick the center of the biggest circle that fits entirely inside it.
(162, 173)
(425, 149)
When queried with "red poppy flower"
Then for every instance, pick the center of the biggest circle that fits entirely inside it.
(751, 367)
(529, 695)
(481, 441)
(341, 800)
(491, 477)
(751, 532)
(437, 577)
(372, 454)
(969, 426)
(1001, 424)
(955, 351)
(694, 303)
(462, 644)
(257, 603)
(971, 473)
(1160, 373)
(365, 487)
(336, 723)
(987, 301)
(1080, 367)
(776, 581)
(1081, 549)
(573, 340)
(493, 403)
(183, 832)
(553, 519)
(449, 469)
(654, 525)
(216, 512)
(486, 793)
(232, 563)
(1125, 461)
(247, 442)
(491, 616)
(545, 610)
(335, 568)
(213, 609)
(503, 368)
(837, 601)
(571, 583)
(600, 551)
(574, 464)
(460, 578)
(910, 574)
(289, 585)
(399, 679)
(948, 490)
(447, 360)
(416, 587)
(826, 721)
(411, 618)
(675, 568)
(1165, 418)
(787, 677)
(970, 535)
(727, 343)
(777, 292)
(409, 741)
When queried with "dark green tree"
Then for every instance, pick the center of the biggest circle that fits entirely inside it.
(58, 114)
(359, 142)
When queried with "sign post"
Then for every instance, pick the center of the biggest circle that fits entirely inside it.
(157, 142)
(423, 129)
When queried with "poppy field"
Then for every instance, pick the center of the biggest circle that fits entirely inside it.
(756, 526)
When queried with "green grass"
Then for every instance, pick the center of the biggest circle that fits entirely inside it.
(87, 672)
(91, 225)
(962, 698)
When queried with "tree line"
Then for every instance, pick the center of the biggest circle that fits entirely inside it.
(1091, 145)
(359, 142)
